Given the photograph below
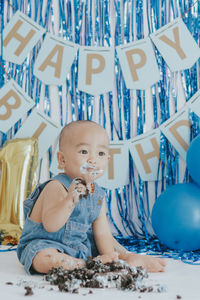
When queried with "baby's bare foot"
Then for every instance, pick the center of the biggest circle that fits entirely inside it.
(151, 264)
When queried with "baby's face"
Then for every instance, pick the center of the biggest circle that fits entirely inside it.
(86, 153)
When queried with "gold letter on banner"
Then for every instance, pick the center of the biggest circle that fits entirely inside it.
(9, 107)
(90, 70)
(174, 132)
(111, 162)
(23, 40)
(144, 157)
(134, 66)
(57, 64)
(39, 130)
(175, 45)
(18, 162)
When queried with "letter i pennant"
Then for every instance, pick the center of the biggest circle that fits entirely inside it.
(42, 127)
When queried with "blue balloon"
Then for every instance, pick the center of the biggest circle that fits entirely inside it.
(193, 159)
(176, 217)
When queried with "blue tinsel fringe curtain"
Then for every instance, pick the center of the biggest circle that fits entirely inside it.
(123, 112)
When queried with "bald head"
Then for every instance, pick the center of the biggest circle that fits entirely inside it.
(70, 130)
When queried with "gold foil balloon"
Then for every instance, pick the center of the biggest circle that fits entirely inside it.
(18, 162)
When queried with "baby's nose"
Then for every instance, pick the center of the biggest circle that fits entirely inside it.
(91, 160)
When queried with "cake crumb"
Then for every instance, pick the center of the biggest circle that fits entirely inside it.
(29, 291)
(116, 274)
(9, 283)
(178, 297)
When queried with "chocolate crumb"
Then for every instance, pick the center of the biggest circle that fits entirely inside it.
(117, 274)
(178, 297)
(9, 283)
(29, 291)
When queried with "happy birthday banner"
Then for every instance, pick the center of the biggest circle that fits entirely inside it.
(145, 148)
(96, 64)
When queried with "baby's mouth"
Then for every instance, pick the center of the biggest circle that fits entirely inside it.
(91, 169)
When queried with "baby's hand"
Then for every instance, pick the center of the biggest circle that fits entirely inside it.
(78, 189)
(150, 263)
(107, 258)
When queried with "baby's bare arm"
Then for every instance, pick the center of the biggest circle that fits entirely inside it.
(102, 233)
(58, 204)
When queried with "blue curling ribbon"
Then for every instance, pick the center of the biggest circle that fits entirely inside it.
(118, 35)
(121, 209)
(97, 35)
(156, 20)
(106, 24)
(124, 94)
(61, 106)
(47, 103)
(63, 20)
(1, 57)
(152, 246)
(191, 19)
(108, 197)
(133, 188)
(167, 152)
(3, 136)
(8, 250)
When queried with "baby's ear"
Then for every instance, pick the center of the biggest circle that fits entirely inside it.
(61, 160)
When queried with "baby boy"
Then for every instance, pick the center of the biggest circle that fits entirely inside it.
(65, 217)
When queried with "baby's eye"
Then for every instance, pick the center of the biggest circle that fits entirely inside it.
(83, 152)
(101, 153)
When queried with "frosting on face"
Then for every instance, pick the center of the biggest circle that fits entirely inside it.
(90, 169)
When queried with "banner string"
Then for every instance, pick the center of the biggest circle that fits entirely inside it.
(64, 22)
(189, 9)
(5, 70)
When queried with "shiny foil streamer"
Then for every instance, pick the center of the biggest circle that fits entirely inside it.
(191, 19)
(3, 136)
(2, 73)
(78, 24)
(159, 15)
(152, 246)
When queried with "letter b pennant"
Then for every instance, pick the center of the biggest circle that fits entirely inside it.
(14, 104)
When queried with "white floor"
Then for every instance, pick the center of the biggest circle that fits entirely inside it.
(180, 279)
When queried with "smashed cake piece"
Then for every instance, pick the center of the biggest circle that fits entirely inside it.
(117, 274)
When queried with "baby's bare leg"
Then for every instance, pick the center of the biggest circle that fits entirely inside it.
(49, 258)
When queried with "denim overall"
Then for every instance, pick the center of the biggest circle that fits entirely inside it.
(75, 238)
